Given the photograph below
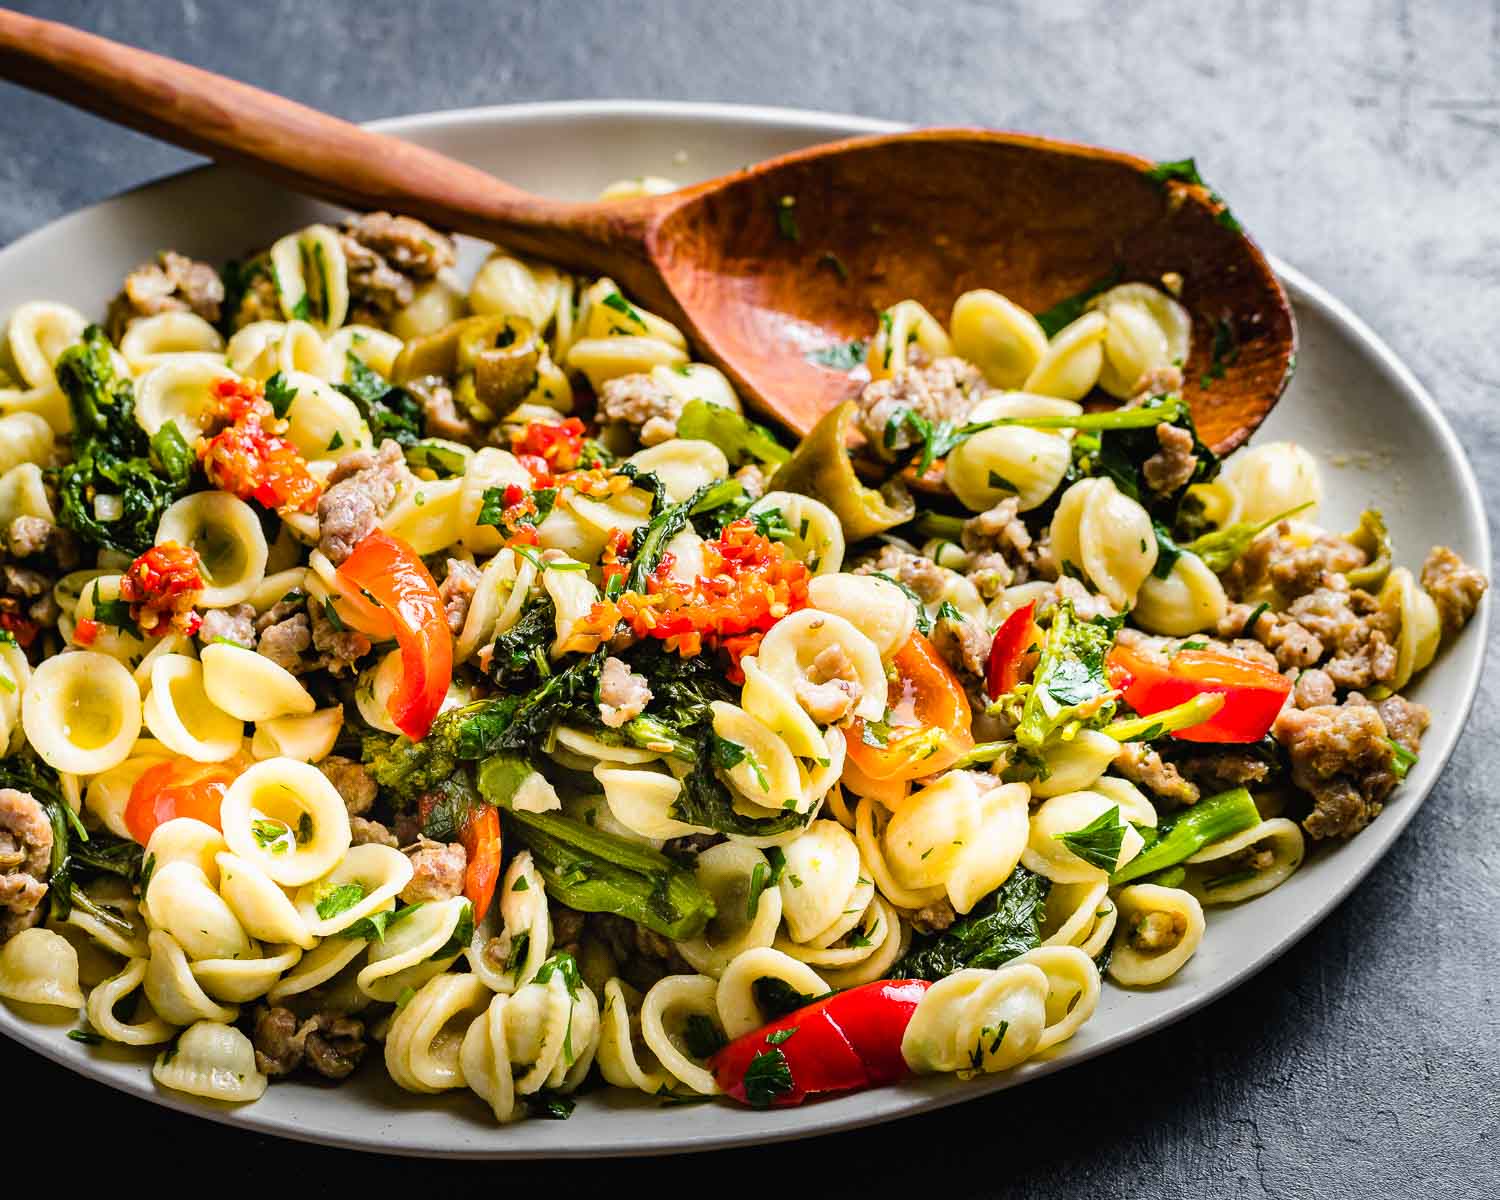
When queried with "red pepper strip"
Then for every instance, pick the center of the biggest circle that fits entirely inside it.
(1253, 694)
(480, 836)
(387, 572)
(1013, 652)
(841, 1043)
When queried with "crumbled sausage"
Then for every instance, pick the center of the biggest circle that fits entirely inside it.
(360, 488)
(352, 782)
(25, 853)
(233, 624)
(24, 582)
(1405, 721)
(1342, 758)
(457, 592)
(646, 406)
(1001, 548)
(1086, 604)
(26, 536)
(277, 1048)
(1158, 931)
(1313, 687)
(331, 1043)
(935, 917)
(1223, 769)
(173, 283)
(1158, 381)
(945, 389)
(923, 576)
(364, 832)
(623, 695)
(441, 416)
(963, 644)
(385, 254)
(407, 244)
(1289, 566)
(1454, 586)
(1170, 468)
(1139, 763)
(831, 688)
(338, 649)
(437, 871)
(752, 477)
(285, 641)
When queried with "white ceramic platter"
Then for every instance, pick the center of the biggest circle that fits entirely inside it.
(1352, 402)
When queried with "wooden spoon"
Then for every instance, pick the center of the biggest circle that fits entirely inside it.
(762, 266)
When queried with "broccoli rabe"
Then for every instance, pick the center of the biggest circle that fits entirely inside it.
(120, 480)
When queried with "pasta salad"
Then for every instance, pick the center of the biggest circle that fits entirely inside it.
(456, 672)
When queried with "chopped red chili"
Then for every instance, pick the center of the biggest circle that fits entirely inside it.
(250, 458)
(161, 587)
(559, 445)
(747, 585)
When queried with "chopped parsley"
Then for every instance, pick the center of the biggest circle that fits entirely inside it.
(767, 1078)
(781, 1035)
(1098, 843)
(842, 356)
(786, 218)
(280, 394)
(340, 899)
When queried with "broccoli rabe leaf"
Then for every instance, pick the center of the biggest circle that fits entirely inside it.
(112, 456)
(1071, 676)
(1003, 925)
(389, 411)
(1069, 309)
(520, 653)
(76, 856)
(1123, 452)
(739, 437)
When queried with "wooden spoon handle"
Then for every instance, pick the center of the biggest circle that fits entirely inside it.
(304, 149)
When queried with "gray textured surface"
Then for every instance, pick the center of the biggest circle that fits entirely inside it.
(1361, 141)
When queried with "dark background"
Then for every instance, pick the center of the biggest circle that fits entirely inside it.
(1359, 141)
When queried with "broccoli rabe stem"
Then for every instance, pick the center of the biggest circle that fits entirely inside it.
(1208, 821)
(985, 752)
(1182, 716)
(940, 525)
(1115, 418)
(593, 871)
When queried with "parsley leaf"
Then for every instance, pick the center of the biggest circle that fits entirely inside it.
(1098, 843)
(842, 356)
(280, 394)
(340, 899)
(767, 1078)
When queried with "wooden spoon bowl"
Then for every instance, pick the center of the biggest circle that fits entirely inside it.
(762, 266)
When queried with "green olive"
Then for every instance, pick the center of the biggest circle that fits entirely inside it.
(821, 468)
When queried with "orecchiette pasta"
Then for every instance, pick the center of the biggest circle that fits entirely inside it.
(1274, 478)
(226, 535)
(181, 716)
(81, 712)
(1108, 536)
(213, 1060)
(38, 966)
(287, 819)
(1190, 599)
(1160, 928)
(665, 1013)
